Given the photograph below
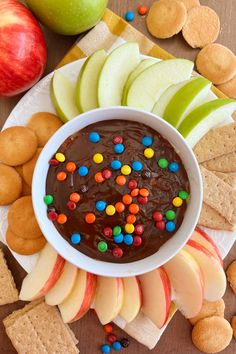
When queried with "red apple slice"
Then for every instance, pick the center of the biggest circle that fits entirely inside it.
(156, 293)
(187, 282)
(77, 304)
(213, 273)
(201, 237)
(132, 299)
(63, 286)
(109, 298)
(44, 275)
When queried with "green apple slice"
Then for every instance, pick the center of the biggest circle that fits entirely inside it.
(63, 97)
(86, 89)
(115, 72)
(142, 66)
(205, 117)
(151, 83)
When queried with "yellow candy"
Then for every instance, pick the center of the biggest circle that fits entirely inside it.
(60, 157)
(129, 228)
(126, 170)
(110, 210)
(148, 153)
(98, 158)
(177, 202)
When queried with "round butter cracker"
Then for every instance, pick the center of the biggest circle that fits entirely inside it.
(23, 246)
(229, 88)
(28, 168)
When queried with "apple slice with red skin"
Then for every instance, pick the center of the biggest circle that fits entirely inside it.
(63, 286)
(205, 240)
(44, 275)
(156, 293)
(132, 299)
(77, 304)
(213, 273)
(109, 298)
(187, 283)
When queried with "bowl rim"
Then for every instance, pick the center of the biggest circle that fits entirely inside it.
(79, 259)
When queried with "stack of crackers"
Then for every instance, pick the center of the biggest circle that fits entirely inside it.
(8, 291)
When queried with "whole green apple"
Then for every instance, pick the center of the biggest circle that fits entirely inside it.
(68, 17)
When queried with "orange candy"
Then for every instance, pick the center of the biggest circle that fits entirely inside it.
(127, 199)
(119, 207)
(134, 208)
(131, 219)
(71, 166)
(62, 219)
(75, 197)
(144, 192)
(134, 192)
(61, 176)
(121, 180)
(90, 218)
(99, 177)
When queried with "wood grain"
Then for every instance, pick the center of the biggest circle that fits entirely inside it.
(177, 338)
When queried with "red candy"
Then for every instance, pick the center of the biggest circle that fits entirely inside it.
(106, 173)
(54, 162)
(111, 338)
(142, 200)
(132, 184)
(142, 10)
(139, 229)
(137, 241)
(117, 252)
(71, 205)
(52, 216)
(108, 328)
(157, 216)
(118, 140)
(107, 232)
(160, 225)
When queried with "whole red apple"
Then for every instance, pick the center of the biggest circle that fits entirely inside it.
(23, 52)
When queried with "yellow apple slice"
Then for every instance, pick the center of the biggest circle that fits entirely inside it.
(156, 294)
(132, 299)
(63, 286)
(187, 282)
(44, 275)
(77, 304)
(109, 298)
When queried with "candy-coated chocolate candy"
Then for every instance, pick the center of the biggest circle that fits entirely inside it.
(137, 241)
(137, 166)
(62, 219)
(116, 230)
(118, 140)
(60, 157)
(53, 162)
(71, 205)
(52, 215)
(128, 239)
(94, 137)
(107, 232)
(147, 141)
(129, 228)
(75, 197)
(139, 229)
(132, 184)
(120, 207)
(146, 174)
(105, 348)
(83, 171)
(106, 173)
(142, 200)
(116, 345)
(162, 163)
(134, 208)
(170, 226)
(102, 246)
(108, 328)
(124, 342)
(110, 210)
(183, 195)
(71, 166)
(131, 219)
(177, 202)
(75, 238)
(144, 192)
(129, 16)
(99, 177)
(98, 158)
(157, 216)
(170, 215)
(111, 338)
(148, 153)
(135, 192)
(173, 167)
(90, 218)
(127, 199)
(116, 165)
(118, 238)
(48, 199)
(121, 180)
(117, 252)
(142, 10)
(126, 170)
(119, 148)
(160, 225)
(84, 188)
(101, 205)
(61, 176)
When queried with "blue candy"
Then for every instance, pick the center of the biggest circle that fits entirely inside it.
(116, 345)
(101, 205)
(94, 137)
(118, 238)
(119, 148)
(75, 239)
(173, 167)
(105, 348)
(128, 239)
(129, 16)
(83, 171)
(147, 140)
(116, 165)
(170, 226)
(137, 166)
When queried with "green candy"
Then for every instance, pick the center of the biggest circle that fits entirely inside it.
(170, 215)
(48, 199)
(162, 163)
(183, 195)
(116, 230)
(102, 246)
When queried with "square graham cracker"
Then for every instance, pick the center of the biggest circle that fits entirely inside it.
(227, 178)
(209, 217)
(8, 291)
(225, 163)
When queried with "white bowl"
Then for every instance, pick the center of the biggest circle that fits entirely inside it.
(171, 247)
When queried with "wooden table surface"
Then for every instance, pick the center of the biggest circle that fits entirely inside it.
(177, 338)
